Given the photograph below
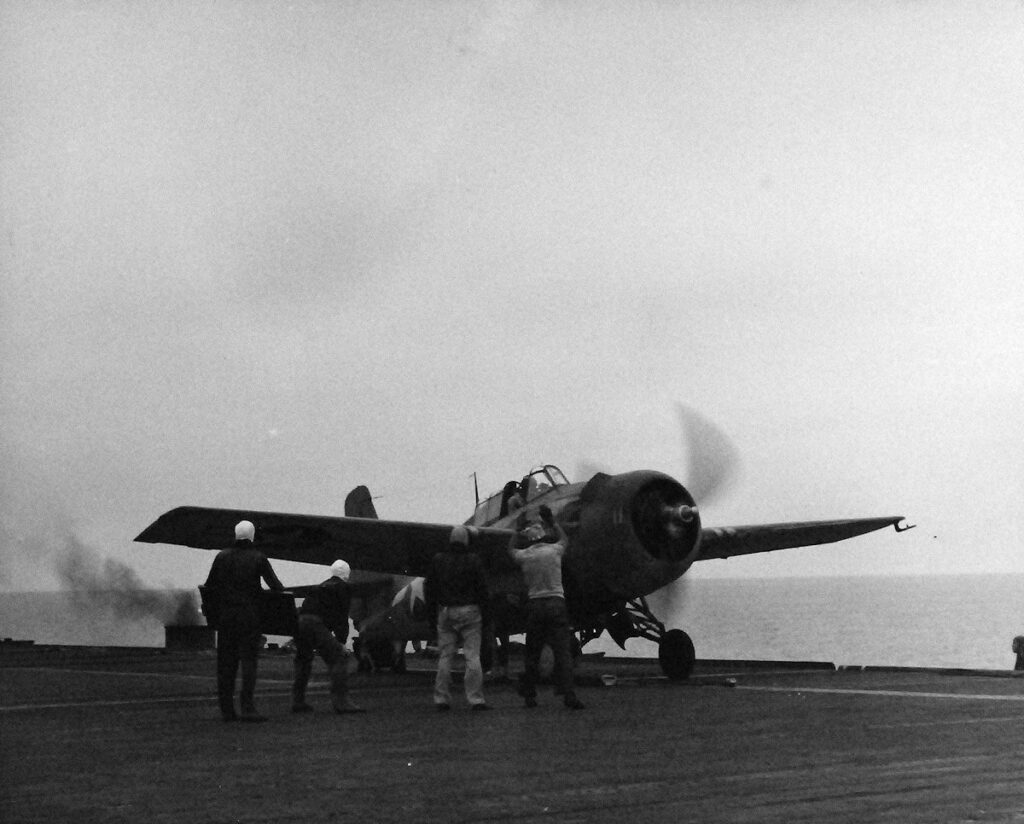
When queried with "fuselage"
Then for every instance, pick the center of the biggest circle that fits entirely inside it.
(629, 535)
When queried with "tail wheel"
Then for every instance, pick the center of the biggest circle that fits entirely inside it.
(676, 655)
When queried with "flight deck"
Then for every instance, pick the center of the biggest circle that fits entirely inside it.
(130, 734)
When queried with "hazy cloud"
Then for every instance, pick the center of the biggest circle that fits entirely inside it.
(254, 257)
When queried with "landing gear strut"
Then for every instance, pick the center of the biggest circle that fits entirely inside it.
(675, 649)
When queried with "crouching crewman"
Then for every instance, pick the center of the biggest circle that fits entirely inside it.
(323, 628)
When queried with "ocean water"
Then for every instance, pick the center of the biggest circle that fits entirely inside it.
(933, 621)
(929, 621)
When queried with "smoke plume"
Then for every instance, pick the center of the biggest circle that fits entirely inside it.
(103, 585)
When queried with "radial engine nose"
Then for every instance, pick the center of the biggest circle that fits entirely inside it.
(678, 518)
(665, 518)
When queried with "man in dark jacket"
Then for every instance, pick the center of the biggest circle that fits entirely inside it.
(234, 588)
(323, 628)
(456, 592)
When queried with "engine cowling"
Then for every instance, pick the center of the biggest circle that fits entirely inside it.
(637, 532)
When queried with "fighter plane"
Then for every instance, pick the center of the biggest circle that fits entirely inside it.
(630, 534)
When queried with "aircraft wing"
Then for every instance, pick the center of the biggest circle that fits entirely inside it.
(397, 547)
(725, 542)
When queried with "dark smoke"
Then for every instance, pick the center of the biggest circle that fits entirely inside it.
(103, 585)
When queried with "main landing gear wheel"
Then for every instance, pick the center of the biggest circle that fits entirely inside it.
(676, 655)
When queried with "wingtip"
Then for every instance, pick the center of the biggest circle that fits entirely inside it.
(153, 534)
(145, 537)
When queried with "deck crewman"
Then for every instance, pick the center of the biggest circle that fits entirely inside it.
(547, 617)
(455, 591)
(233, 587)
(323, 628)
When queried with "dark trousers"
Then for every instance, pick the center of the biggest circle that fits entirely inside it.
(547, 621)
(238, 643)
(314, 637)
(494, 647)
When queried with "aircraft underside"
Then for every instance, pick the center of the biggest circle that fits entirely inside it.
(384, 638)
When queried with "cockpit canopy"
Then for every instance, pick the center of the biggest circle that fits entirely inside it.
(541, 480)
(536, 483)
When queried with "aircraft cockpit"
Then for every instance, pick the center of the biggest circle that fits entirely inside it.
(516, 494)
(541, 480)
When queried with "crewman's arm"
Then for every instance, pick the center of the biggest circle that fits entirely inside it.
(213, 579)
(552, 524)
(267, 571)
(344, 604)
(513, 548)
(211, 599)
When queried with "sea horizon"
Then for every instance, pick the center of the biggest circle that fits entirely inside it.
(966, 620)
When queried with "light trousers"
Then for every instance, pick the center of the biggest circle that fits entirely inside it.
(459, 626)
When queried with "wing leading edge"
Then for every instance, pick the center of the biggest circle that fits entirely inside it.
(726, 542)
(397, 547)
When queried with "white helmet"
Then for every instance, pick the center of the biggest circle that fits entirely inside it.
(245, 531)
(340, 569)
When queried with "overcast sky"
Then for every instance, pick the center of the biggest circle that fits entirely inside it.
(254, 254)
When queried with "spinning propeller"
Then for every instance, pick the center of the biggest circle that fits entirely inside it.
(713, 465)
(712, 459)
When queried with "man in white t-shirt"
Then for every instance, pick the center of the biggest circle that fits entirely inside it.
(547, 618)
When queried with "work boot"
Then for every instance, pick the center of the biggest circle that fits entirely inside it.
(248, 691)
(226, 692)
(528, 693)
(303, 669)
(250, 716)
(227, 707)
(299, 699)
(572, 702)
(344, 706)
(339, 688)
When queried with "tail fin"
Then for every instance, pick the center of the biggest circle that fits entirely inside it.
(359, 504)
